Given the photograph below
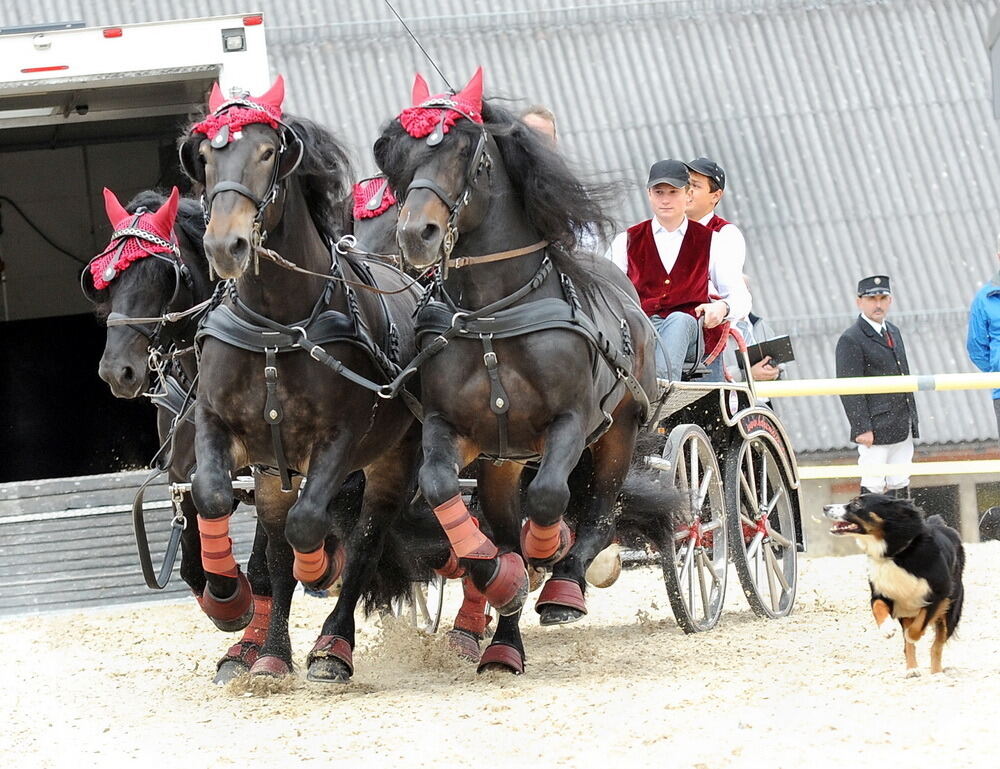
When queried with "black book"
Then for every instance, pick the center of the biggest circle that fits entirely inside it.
(779, 349)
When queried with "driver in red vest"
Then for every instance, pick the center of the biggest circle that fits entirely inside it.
(670, 260)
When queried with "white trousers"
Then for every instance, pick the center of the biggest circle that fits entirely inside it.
(888, 454)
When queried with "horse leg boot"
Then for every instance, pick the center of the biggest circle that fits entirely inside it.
(546, 538)
(388, 486)
(562, 599)
(227, 598)
(501, 577)
(243, 654)
(274, 657)
(470, 623)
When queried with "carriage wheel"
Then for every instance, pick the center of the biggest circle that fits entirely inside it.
(423, 606)
(694, 570)
(762, 527)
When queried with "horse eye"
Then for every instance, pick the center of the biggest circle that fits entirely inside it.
(268, 154)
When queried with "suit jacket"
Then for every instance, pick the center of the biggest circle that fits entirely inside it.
(861, 351)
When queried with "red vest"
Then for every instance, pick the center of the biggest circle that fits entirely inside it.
(716, 223)
(686, 286)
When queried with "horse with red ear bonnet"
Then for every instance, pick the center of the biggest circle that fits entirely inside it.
(285, 360)
(544, 355)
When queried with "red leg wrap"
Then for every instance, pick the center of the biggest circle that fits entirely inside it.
(256, 631)
(502, 654)
(452, 569)
(472, 616)
(270, 666)
(508, 588)
(546, 543)
(317, 569)
(562, 592)
(463, 531)
(216, 546)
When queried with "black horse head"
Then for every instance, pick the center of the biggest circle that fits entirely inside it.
(139, 278)
(451, 177)
(245, 154)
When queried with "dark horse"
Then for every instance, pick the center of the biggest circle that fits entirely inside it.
(285, 361)
(542, 355)
(154, 265)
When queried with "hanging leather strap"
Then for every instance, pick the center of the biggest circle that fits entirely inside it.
(273, 414)
(499, 402)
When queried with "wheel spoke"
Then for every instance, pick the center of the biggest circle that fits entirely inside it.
(711, 568)
(772, 584)
(420, 601)
(712, 525)
(704, 487)
(689, 566)
(773, 503)
(778, 537)
(701, 583)
(754, 545)
(750, 476)
(776, 567)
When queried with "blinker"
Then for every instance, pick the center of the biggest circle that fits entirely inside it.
(437, 135)
(221, 139)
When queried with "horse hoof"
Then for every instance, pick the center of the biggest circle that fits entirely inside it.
(228, 670)
(230, 614)
(275, 667)
(606, 568)
(536, 578)
(553, 614)
(464, 644)
(503, 658)
(328, 670)
(508, 589)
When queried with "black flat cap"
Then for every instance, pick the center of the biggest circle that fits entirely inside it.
(874, 285)
(709, 168)
(672, 172)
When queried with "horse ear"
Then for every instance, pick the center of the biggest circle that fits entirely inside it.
(115, 211)
(421, 92)
(164, 218)
(472, 94)
(215, 99)
(275, 95)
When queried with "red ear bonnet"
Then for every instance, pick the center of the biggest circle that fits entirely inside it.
(215, 99)
(162, 222)
(117, 215)
(472, 95)
(274, 97)
(421, 92)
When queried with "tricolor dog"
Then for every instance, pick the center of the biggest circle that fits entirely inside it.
(915, 569)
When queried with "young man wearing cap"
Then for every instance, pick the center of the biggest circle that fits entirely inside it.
(708, 185)
(670, 260)
(883, 424)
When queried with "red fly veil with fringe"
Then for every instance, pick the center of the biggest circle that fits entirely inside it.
(366, 203)
(429, 111)
(106, 266)
(233, 115)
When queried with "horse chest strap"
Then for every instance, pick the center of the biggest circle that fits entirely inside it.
(273, 414)
(499, 401)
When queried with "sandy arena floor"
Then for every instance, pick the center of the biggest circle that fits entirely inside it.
(821, 688)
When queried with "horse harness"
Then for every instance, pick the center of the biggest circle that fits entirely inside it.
(240, 326)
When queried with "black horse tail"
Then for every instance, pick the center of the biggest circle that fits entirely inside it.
(414, 541)
(651, 508)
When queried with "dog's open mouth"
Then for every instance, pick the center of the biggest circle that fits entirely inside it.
(846, 527)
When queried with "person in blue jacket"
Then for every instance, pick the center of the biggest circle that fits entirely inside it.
(983, 341)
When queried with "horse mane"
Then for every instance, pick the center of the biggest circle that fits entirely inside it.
(326, 177)
(558, 204)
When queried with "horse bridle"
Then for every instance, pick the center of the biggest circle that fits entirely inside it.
(479, 162)
(182, 275)
(258, 233)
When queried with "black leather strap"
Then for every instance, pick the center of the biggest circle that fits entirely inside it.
(273, 414)
(499, 401)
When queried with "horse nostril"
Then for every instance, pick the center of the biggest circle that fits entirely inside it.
(429, 232)
(239, 248)
(128, 374)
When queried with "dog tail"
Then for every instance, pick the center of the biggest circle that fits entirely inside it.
(955, 553)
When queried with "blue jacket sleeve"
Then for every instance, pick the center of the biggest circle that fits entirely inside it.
(978, 340)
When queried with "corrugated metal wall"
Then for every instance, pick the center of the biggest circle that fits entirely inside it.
(857, 134)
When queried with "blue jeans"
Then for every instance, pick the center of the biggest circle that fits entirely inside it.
(677, 344)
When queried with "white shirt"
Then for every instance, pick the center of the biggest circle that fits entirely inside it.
(725, 261)
(879, 327)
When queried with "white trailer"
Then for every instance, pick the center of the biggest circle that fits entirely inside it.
(82, 108)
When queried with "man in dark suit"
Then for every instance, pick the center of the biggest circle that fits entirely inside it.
(883, 425)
